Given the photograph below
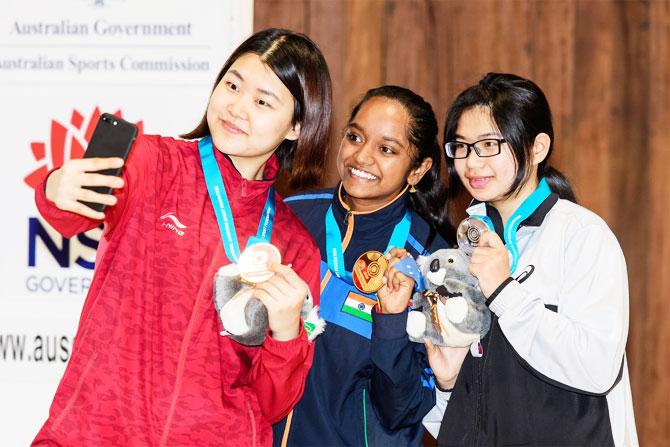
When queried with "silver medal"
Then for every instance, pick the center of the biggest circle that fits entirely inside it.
(469, 233)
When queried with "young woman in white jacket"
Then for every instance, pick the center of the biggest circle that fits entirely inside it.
(553, 369)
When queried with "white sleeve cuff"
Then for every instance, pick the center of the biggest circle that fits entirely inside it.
(433, 419)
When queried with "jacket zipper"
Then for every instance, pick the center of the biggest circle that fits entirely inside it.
(365, 420)
(478, 379)
(347, 215)
(252, 420)
(349, 222)
(181, 366)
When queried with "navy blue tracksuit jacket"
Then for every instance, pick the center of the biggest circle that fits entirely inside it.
(363, 361)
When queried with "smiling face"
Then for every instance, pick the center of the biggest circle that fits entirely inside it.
(375, 157)
(250, 113)
(487, 179)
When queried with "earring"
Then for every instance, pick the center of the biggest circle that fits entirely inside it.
(412, 189)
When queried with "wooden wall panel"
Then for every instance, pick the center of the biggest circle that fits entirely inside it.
(630, 180)
(289, 14)
(405, 47)
(362, 63)
(605, 68)
(553, 66)
(328, 19)
(594, 99)
(651, 380)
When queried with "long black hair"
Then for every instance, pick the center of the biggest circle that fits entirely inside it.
(301, 67)
(429, 201)
(520, 110)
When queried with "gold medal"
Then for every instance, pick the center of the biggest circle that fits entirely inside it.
(255, 261)
(369, 270)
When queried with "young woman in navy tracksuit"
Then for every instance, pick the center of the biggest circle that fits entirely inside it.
(553, 370)
(389, 164)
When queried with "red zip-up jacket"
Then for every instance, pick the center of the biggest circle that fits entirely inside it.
(148, 365)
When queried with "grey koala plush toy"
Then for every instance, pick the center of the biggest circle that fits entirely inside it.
(245, 318)
(452, 310)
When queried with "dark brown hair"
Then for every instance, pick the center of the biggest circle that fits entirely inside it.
(301, 67)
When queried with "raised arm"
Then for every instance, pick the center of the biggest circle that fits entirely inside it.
(402, 386)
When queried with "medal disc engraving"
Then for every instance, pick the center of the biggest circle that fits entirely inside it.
(369, 270)
(255, 260)
(469, 232)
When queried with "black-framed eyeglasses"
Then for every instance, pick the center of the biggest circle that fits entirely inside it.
(488, 147)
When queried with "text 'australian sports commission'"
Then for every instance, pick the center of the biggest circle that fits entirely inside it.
(124, 63)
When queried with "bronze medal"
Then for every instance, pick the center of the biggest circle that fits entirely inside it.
(432, 298)
(255, 260)
(369, 270)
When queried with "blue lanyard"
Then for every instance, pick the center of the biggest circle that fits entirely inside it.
(224, 215)
(526, 208)
(334, 250)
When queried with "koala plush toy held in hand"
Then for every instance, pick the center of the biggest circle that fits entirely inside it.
(244, 317)
(451, 311)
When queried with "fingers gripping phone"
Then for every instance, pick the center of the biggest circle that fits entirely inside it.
(112, 137)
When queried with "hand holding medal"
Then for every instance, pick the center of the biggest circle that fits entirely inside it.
(489, 259)
(276, 285)
(493, 261)
(489, 263)
(283, 295)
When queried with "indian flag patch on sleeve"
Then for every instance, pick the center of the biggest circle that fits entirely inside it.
(359, 306)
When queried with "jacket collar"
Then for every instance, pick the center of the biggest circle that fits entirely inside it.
(534, 220)
(239, 188)
(389, 213)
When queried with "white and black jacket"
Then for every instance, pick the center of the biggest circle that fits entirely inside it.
(553, 370)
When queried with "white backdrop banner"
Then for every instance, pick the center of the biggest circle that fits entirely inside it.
(62, 63)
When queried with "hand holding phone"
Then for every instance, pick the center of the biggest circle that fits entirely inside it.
(112, 137)
(84, 186)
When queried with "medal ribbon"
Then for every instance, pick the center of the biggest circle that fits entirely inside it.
(334, 251)
(224, 214)
(524, 210)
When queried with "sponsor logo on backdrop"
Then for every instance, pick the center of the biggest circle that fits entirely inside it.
(45, 246)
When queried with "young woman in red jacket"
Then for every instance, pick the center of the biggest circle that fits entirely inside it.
(149, 366)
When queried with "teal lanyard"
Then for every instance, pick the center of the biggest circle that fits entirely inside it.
(334, 250)
(527, 208)
(224, 215)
